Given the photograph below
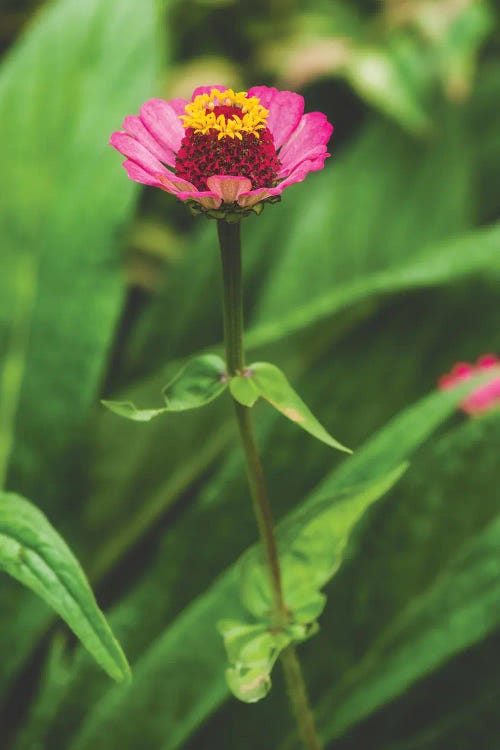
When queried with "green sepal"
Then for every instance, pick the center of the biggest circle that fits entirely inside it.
(233, 213)
(199, 382)
(267, 380)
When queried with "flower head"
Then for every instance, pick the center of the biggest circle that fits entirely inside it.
(485, 397)
(225, 153)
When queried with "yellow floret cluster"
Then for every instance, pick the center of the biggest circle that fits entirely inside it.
(201, 117)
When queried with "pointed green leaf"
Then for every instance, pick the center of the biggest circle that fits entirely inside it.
(201, 381)
(198, 383)
(312, 546)
(32, 551)
(272, 385)
(128, 410)
(244, 390)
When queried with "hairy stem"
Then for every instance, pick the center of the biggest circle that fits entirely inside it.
(230, 247)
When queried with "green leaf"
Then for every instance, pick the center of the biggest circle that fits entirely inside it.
(253, 651)
(201, 381)
(197, 384)
(190, 688)
(76, 71)
(33, 552)
(64, 219)
(458, 609)
(269, 382)
(312, 544)
(244, 389)
(458, 43)
(383, 79)
(329, 245)
(471, 255)
(128, 410)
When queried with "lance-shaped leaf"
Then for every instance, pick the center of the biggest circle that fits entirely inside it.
(198, 383)
(32, 551)
(267, 380)
(312, 543)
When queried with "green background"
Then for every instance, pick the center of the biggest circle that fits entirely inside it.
(365, 284)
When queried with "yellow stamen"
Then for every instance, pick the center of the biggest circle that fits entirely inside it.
(201, 117)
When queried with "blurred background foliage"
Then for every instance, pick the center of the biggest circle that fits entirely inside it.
(365, 284)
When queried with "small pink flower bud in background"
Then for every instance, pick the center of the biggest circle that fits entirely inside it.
(486, 396)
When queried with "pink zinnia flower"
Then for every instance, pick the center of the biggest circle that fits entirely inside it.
(224, 149)
(486, 396)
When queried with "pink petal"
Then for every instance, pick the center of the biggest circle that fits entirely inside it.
(299, 173)
(483, 399)
(184, 190)
(176, 184)
(135, 127)
(285, 110)
(308, 141)
(206, 90)
(228, 188)
(162, 121)
(247, 200)
(178, 105)
(131, 148)
(462, 370)
(136, 173)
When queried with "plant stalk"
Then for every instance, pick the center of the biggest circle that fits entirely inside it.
(230, 247)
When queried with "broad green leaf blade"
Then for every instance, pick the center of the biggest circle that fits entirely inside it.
(312, 543)
(182, 671)
(77, 70)
(201, 381)
(275, 388)
(33, 552)
(167, 669)
(460, 608)
(198, 383)
(58, 105)
(471, 255)
(330, 245)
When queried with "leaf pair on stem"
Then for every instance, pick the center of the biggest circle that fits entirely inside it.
(204, 378)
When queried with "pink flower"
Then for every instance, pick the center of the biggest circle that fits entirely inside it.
(486, 396)
(224, 148)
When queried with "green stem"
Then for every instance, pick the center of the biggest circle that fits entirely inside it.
(230, 247)
(297, 692)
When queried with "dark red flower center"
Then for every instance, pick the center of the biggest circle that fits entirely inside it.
(202, 155)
